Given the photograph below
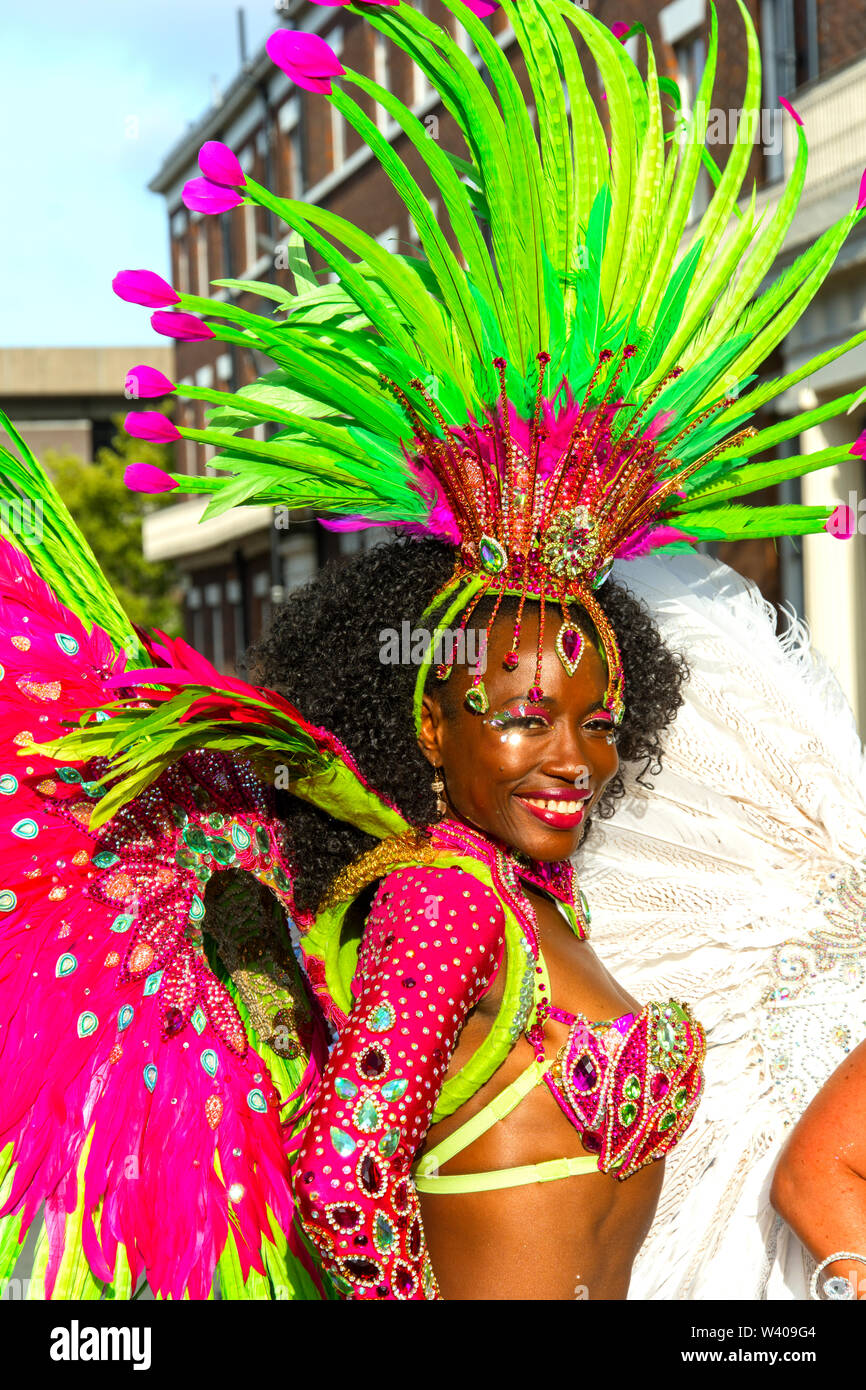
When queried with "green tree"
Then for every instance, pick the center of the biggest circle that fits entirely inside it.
(110, 516)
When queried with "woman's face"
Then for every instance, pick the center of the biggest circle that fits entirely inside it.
(526, 772)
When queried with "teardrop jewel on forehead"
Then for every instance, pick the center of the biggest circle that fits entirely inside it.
(569, 647)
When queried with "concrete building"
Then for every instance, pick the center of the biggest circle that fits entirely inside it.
(239, 565)
(64, 398)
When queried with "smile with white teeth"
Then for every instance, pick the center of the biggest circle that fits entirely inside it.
(568, 808)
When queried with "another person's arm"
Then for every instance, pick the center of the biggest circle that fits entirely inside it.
(432, 942)
(819, 1186)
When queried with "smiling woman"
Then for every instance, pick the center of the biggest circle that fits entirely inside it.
(521, 1054)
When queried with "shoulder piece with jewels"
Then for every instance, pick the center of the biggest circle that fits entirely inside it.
(567, 390)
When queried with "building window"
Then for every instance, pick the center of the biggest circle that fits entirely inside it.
(299, 560)
(201, 260)
(338, 124)
(789, 44)
(213, 597)
(381, 74)
(289, 119)
(420, 86)
(690, 53)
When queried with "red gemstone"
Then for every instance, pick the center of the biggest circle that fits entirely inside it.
(401, 1196)
(362, 1269)
(572, 642)
(591, 1142)
(414, 1241)
(536, 693)
(347, 1218)
(370, 1174)
(511, 660)
(373, 1063)
(404, 1280)
(659, 1086)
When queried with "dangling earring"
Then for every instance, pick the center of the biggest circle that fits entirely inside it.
(439, 788)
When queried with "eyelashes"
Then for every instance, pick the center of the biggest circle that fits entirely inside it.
(526, 717)
(521, 716)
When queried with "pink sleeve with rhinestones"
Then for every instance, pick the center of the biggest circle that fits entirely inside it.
(432, 943)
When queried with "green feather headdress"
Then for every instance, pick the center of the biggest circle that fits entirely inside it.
(585, 366)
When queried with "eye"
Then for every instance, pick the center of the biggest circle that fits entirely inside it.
(521, 715)
(603, 725)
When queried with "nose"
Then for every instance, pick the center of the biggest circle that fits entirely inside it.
(571, 756)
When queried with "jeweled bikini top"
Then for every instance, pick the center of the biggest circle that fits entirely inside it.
(629, 1086)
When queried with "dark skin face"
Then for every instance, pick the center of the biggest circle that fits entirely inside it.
(521, 748)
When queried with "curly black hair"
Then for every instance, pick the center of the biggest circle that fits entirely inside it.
(323, 653)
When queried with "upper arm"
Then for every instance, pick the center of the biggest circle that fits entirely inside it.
(832, 1131)
(430, 945)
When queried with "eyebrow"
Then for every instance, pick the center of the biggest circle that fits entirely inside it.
(596, 708)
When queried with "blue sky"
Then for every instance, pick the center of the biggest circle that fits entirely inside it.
(92, 95)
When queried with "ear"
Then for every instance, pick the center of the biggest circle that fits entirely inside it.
(432, 730)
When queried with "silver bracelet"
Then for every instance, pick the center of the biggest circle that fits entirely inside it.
(837, 1287)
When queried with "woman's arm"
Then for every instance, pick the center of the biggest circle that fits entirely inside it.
(819, 1185)
(432, 942)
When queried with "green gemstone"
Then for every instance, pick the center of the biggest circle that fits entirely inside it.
(667, 1037)
(69, 774)
(492, 555)
(281, 879)
(367, 1116)
(256, 1101)
(222, 851)
(476, 699)
(602, 574)
(342, 1142)
(345, 1088)
(93, 789)
(393, 1090)
(383, 1233)
(382, 1018)
(631, 1089)
(668, 1119)
(196, 909)
(198, 1020)
(179, 816)
(104, 859)
(122, 922)
(627, 1114)
(216, 820)
(87, 1024)
(263, 841)
(388, 1143)
(194, 836)
(680, 1098)
(585, 905)
(66, 964)
(8, 784)
(151, 984)
(240, 837)
(209, 1061)
(202, 873)
(185, 859)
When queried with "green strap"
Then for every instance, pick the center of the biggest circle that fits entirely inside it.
(497, 1109)
(510, 1177)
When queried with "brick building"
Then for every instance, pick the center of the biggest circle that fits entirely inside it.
(814, 52)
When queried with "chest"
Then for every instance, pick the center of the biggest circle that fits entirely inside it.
(578, 981)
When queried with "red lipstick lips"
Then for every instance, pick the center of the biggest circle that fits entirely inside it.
(556, 807)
